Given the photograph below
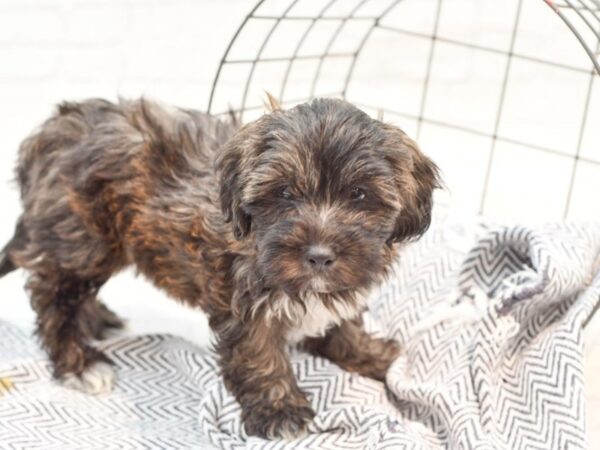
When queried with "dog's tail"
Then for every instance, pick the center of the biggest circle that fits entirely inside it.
(7, 265)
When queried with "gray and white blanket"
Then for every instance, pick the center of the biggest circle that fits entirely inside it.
(492, 359)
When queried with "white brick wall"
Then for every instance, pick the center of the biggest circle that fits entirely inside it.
(71, 49)
(51, 50)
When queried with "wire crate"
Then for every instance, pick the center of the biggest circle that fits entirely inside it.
(505, 96)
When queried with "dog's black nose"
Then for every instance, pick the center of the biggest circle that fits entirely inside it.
(319, 257)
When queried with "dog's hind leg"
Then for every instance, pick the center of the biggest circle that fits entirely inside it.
(97, 319)
(67, 311)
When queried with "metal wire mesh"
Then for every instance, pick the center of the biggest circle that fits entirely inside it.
(309, 48)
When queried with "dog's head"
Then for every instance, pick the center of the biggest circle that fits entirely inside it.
(325, 191)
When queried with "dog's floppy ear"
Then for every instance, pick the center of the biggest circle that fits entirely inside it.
(416, 177)
(233, 165)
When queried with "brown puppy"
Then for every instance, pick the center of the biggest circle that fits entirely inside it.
(276, 230)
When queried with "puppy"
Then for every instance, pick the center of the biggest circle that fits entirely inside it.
(276, 229)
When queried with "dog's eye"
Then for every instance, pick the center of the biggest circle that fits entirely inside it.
(286, 193)
(357, 194)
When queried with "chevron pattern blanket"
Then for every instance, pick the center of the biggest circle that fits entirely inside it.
(491, 324)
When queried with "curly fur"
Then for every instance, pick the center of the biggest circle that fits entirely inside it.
(222, 217)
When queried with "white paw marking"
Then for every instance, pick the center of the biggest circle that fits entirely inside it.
(98, 378)
(289, 435)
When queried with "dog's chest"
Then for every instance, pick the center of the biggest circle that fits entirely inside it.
(315, 319)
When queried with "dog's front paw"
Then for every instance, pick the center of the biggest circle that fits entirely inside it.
(379, 357)
(97, 378)
(287, 421)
